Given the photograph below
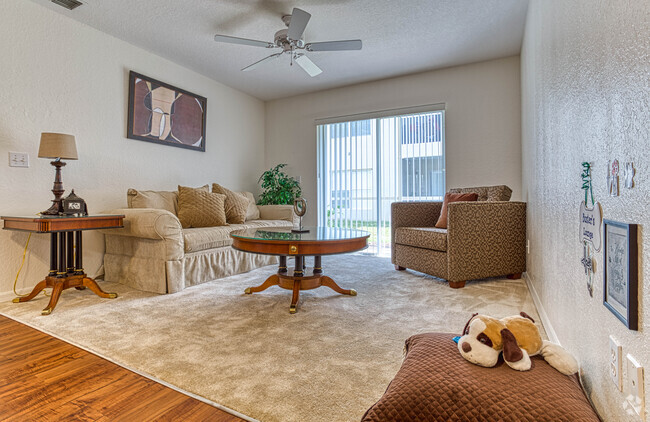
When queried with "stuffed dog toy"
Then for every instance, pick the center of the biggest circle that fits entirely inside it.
(484, 338)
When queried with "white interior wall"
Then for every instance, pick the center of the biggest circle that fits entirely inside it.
(585, 97)
(482, 122)
(58, 75)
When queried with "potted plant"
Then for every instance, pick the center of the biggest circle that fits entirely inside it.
(278, 188)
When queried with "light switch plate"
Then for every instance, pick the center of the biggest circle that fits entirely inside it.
(635, 387)
(616, 363)
(18, 159)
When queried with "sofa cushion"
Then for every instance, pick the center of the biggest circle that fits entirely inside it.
(487, 193)
(422, 237)
(200, 239)
(252, 212)
(159, 199)
(235, 205)
(199, 208)
(453, 197)
(163, 200)
(436, 384)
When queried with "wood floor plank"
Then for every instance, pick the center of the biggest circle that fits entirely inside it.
(44, 378)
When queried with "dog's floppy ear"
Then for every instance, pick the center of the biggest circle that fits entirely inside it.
(511, 351)
(466, 329)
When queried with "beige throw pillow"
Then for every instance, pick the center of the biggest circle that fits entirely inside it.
(199, 208)
(252, 212)
(236, 204)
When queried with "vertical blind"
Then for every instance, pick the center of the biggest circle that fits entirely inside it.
(365, 165)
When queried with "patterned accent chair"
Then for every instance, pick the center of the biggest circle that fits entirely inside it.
(486, 238)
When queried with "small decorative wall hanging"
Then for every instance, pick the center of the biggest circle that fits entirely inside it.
(628, 175)
(590, 223)
(164, 114)
(620, 280)
(612, 177)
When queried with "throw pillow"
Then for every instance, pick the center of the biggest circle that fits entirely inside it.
(236, 204)
(252, 212)
(453, 197)
(200, 208)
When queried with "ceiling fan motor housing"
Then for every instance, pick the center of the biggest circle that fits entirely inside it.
(282, 41)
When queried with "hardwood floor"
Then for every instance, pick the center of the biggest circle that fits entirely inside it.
(46, 379)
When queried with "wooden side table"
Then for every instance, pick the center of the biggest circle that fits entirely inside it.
(66, 266)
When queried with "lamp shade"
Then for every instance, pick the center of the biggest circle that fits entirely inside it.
(57, 145)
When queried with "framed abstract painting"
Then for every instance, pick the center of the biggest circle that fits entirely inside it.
(164, 114)
(621, 273)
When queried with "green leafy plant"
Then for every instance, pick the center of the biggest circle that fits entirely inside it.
(278, 188)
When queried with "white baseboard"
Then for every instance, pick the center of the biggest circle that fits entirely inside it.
(548, 327)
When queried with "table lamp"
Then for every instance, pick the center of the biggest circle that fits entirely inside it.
(60, 147)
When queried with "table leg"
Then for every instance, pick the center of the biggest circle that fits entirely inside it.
(54, 244)
(300, 266)
(37, 289)
(62, 269)
(92, 285)
(295, 296)
(69, 252)
(326, 281)
(274, 280)
(282, 268)
(54, 298)
(317, 265)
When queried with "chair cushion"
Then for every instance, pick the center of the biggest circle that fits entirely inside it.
(488, 193)
(436, 384)
(422, 237)
(453, 197)
(199, 208)
(203, 238)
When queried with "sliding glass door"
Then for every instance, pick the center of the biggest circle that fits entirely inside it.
(365, 165)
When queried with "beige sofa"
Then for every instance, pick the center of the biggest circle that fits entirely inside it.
(155, 254)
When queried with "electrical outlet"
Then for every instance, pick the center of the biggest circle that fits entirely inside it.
(18, 159)
(616, 363)
(635, 387)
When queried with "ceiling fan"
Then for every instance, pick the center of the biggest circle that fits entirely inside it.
(291, 42)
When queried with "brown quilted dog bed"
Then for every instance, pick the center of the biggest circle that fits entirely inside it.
(436, 384)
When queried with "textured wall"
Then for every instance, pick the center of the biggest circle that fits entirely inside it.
(585, 97)
(60, 75)
(482, 122)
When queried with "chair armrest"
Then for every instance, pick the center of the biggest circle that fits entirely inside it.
(485, 239)
(148, 223)
(414, 214)
(277, 212)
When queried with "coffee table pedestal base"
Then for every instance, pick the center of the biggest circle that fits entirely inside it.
(298, 282)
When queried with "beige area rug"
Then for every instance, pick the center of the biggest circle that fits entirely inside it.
(329, 362)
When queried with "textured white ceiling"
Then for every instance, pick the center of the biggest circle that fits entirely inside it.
(399, 37)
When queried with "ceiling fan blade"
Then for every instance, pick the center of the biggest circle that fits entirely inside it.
(299, 20)
(243, 41)
(308, 66)
(260, 62)
(334, 45)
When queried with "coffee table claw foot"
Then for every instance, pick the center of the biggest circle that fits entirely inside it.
(353, 292)
(248, 291)
(16, 300)
(112, 295)
(46, 311)
(292, 310)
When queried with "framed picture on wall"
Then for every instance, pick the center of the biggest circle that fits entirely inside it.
(164, 114)
(620, 286)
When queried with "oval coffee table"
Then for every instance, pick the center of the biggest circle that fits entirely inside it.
(317, 242)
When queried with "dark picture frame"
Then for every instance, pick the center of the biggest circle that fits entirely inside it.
(164, 114)
(621, 272)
